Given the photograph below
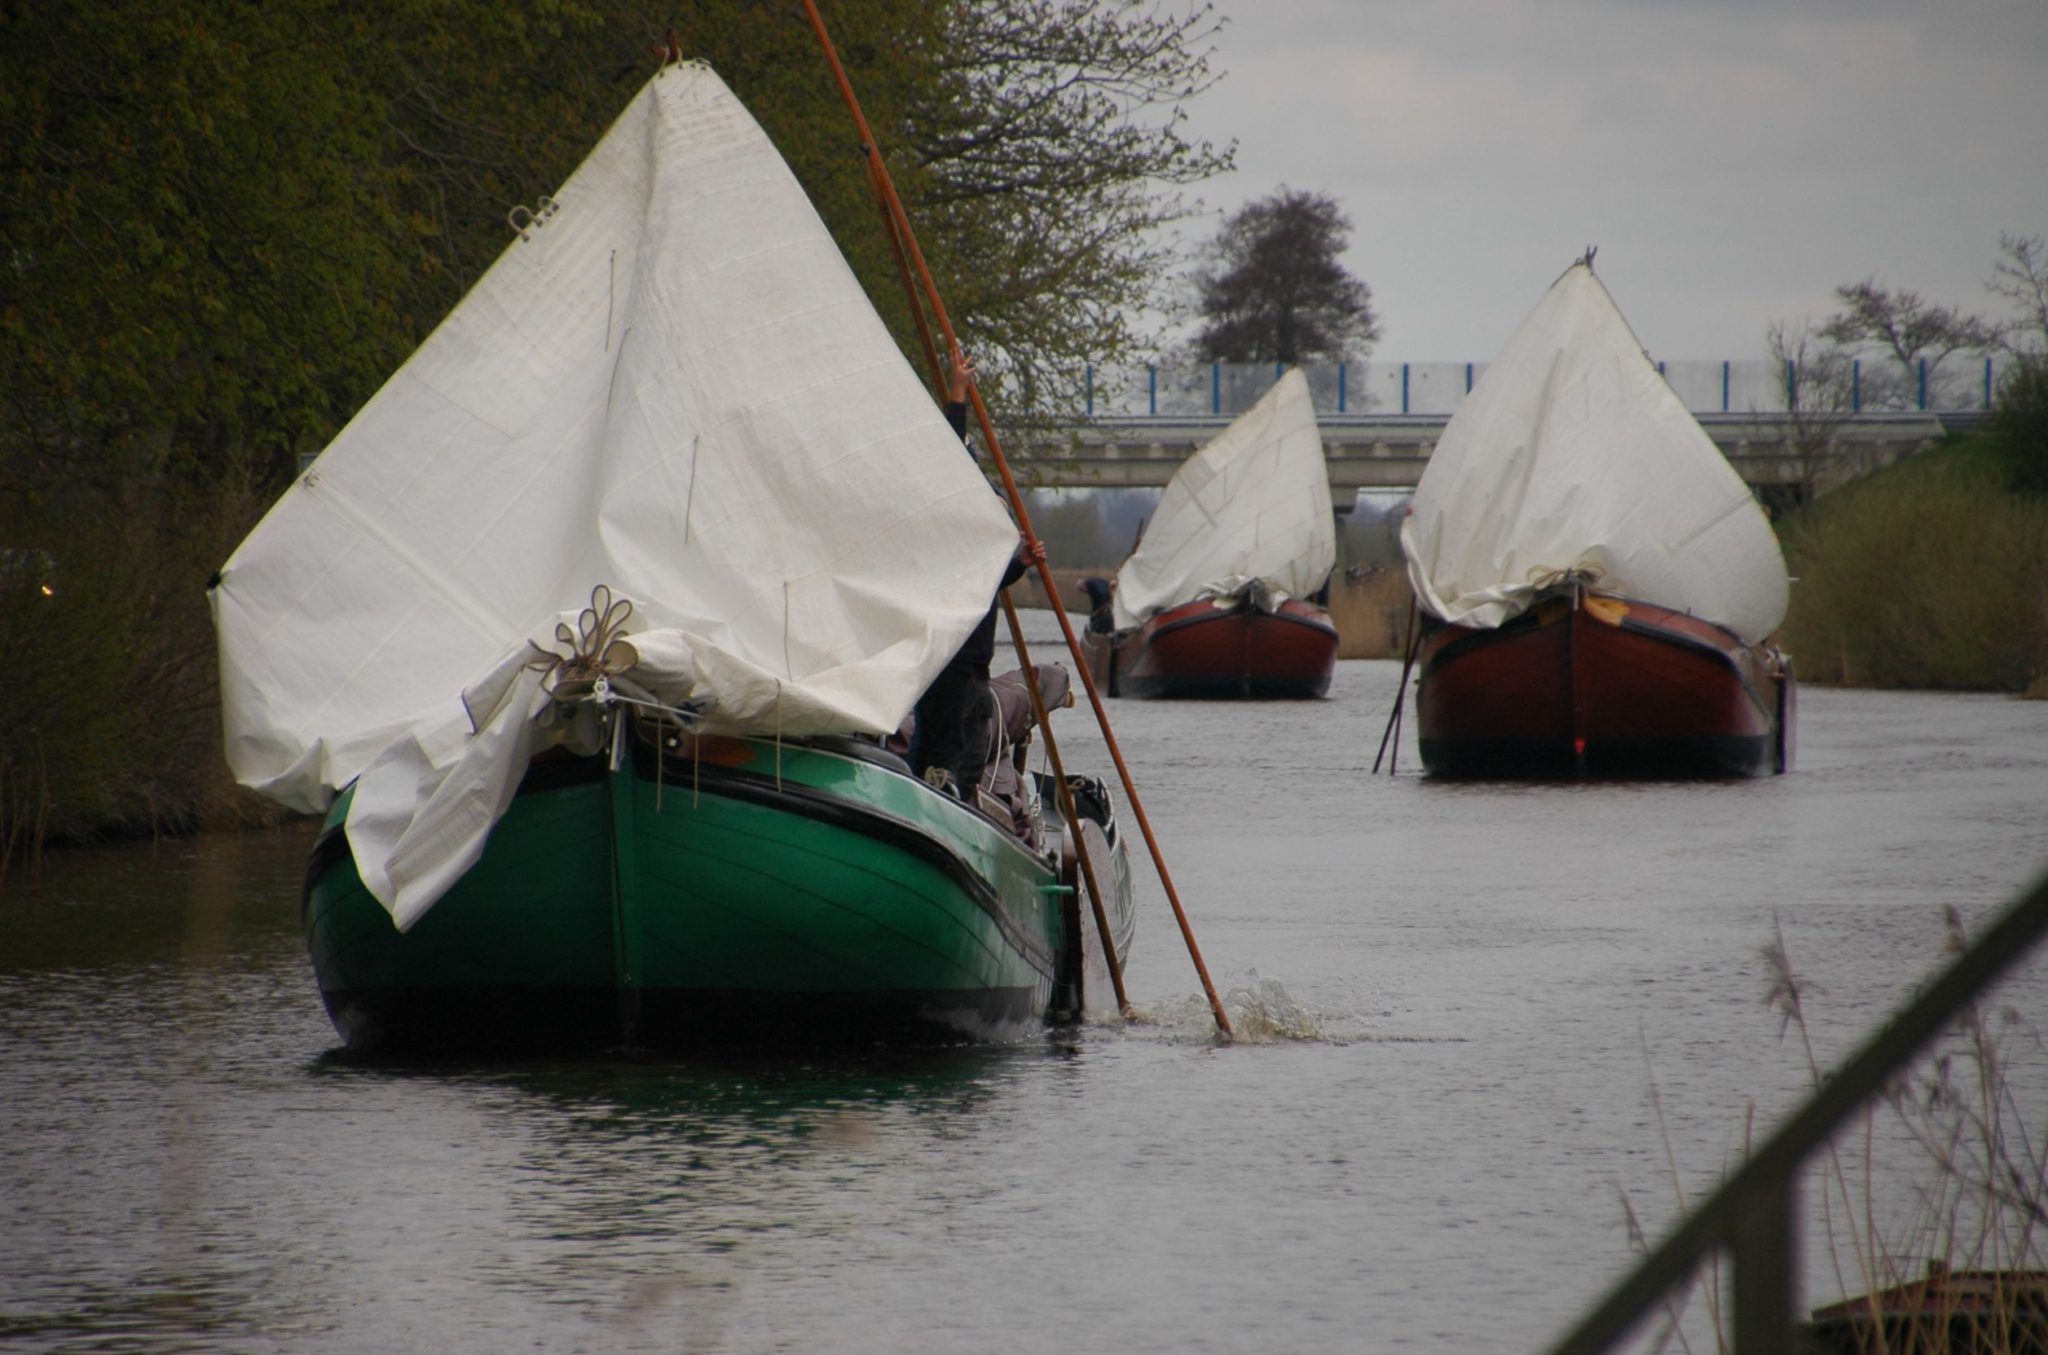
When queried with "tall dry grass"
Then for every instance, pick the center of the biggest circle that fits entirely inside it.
(1970, 1198)
(1932, 575)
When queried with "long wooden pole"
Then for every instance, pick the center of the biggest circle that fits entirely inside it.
(1400, 692)
(988, 432)
(1071, 810)
(1038, 708)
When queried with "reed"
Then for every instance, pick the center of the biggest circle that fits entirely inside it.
(1932, 574)
(1962, 1244)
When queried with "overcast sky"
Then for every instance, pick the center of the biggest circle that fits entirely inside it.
(1734, 160)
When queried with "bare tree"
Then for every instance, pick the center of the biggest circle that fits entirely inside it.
(1272, 290)
(2019, 421)
(1817, 385)
(1911, 335)
(2021, 277)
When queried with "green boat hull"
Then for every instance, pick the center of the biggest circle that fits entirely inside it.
(793, 895)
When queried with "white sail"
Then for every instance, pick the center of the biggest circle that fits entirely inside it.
(1571, 453)
(1253, 506)
(672, 385)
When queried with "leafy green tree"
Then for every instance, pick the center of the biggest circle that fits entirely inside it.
(224, 223)
(194, 255)
(1272, 288)
(1052, 149)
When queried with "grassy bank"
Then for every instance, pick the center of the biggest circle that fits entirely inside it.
(109, 684)
(1931, 574)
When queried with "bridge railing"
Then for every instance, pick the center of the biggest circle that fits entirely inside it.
(1958, 384)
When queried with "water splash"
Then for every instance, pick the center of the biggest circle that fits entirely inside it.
(1262, 1012)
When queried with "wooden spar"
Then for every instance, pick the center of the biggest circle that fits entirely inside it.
(880, 171)
(924, 329)
(1038, 709)
(1067, 807)
(1400, 693)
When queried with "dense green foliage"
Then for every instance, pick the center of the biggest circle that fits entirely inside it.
(2018, 436)
(225, 223)
(1932, 573)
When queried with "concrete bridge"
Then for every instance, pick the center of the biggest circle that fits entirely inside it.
(1388, 451)
(1381, 420)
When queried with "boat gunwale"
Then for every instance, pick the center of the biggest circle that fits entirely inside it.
(1156, 626)
(820, 805)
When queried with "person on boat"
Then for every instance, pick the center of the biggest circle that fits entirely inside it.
(956, 717)
(1009, 779)
(1101, 619)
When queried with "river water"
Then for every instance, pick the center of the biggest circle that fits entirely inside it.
(1475, 1019)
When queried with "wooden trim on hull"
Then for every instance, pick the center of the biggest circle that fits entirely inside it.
(1198, 650)
(1612, 687)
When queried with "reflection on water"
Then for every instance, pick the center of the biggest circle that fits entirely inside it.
(1454, 1002)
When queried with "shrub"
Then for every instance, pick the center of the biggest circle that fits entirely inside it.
(2019, 426)
(1931, 574)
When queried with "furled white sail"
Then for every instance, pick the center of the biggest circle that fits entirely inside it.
(672, 385)
(1572, 454)
(1252, 507)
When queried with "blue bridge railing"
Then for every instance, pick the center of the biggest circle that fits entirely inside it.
(1958, 384)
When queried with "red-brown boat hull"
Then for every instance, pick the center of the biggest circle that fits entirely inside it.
(1202, 650)
(1608, 686)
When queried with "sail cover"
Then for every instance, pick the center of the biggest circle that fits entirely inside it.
(1571, 453)
(672, 385)
(1251, 507)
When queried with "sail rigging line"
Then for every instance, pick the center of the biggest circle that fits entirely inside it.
(1400, 695)
(938, 310)
(1030, 672)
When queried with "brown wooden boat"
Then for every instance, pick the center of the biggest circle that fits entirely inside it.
(1590, 683)
(1964, 1312)
(1599, 589)
(1214, 599)
(1219, 648)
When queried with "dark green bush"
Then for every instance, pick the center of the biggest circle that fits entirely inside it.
(1930, 574)
(2018, 436)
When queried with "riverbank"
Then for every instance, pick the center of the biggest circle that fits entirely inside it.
(1930, 574)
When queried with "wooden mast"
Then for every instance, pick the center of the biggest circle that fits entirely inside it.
(894, 203)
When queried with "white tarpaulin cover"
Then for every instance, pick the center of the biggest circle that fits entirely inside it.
(1251, 507)
(1571, 453)
(671, 385)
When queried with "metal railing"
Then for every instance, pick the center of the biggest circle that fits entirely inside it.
(1753, 1216)
(1964, 382)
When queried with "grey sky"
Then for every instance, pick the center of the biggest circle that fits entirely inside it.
(1734, 160)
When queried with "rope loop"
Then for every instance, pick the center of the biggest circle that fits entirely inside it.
(1585, 573)
(597, 627)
